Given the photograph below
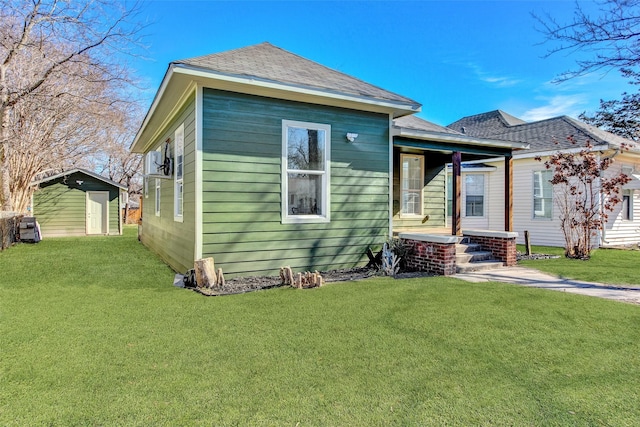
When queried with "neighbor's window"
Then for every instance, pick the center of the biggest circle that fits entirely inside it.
(411, 183)
(179, 173)
(305, 171)
(474, 189)
(542, 194)
(627, 205)
(157, 196)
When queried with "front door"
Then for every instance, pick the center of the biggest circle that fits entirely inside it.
(97, 212)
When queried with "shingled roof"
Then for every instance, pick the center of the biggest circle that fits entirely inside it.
(416, 123)
(543, 135)
(413, 127)
(270, 63)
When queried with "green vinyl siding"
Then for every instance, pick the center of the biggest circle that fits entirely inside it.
(433, 194)
(242, 149)
(60, 205)
(174, 241)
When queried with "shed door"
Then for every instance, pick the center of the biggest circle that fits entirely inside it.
(97, 212)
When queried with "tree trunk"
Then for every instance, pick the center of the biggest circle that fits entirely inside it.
(5, 190)
(205, 273)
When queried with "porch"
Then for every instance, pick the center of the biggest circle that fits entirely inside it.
(427, 199)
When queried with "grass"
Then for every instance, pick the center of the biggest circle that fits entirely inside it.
(610, 266)
(93, 333)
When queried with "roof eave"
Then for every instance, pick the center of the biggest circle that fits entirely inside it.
(458, 139)
(84, 171)
(135, 146)
(254, 86)
(402, 108)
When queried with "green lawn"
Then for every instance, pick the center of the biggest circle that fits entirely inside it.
(93, 333)
(611, 266)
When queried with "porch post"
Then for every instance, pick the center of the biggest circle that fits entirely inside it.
(508, 193)
(456, 227)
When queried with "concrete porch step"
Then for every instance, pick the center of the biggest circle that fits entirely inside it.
(473, 256)
(478, 266)
(463, 248)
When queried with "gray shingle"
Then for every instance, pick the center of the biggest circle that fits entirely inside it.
(413, 122)
(544, 135)
(267, 62)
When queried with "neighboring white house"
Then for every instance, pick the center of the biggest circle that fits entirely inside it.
(533, 206)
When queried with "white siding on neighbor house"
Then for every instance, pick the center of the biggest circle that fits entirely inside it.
(619, 231)
(542, 231)
(546, 232)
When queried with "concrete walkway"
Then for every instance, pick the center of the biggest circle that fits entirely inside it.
(534, 278)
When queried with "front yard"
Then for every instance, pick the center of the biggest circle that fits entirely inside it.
(609, 266)
(93, 333)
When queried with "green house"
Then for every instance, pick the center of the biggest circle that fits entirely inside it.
(261, 158)
(78, 203)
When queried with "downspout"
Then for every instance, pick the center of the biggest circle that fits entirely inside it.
(603, 231)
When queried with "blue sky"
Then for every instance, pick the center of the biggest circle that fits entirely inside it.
(457, 58)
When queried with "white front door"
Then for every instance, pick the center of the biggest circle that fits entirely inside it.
(97, 212)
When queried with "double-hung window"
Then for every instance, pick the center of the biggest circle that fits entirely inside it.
(305, 172)
(474, 199)
(542, 194)
(411, 183)
(179, 173)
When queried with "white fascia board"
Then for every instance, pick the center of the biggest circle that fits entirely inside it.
(458, 139)
(531, 154)
(398, 108)
(152, 109)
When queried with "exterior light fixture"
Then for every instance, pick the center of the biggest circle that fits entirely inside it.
(351, 137)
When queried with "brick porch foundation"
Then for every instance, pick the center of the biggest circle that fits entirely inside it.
(431, 253)
(436, 253)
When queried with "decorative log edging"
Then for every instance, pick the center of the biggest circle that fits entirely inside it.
(301, 280)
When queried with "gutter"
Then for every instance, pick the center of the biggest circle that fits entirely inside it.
(457, 139)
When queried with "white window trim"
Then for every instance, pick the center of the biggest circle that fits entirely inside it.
(412, 215)
(178, 182)
(157, 200)
(463, 195)
(326, 176)
(533, 195)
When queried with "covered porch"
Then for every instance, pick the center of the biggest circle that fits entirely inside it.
(428, 203)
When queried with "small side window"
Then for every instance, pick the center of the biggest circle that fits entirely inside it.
(158, 180)
(179, 173)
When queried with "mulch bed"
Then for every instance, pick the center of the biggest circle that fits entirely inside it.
(242, 285)
(522, 256)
